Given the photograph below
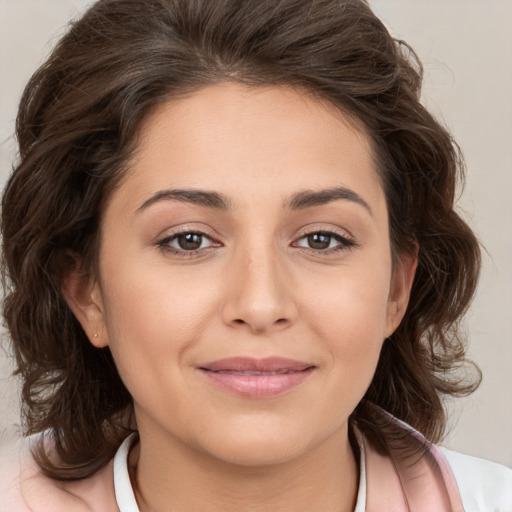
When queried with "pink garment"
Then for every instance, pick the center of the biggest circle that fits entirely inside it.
(404, 473)
(407, 473)
(24, 489)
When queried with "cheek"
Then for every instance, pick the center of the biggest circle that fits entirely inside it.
(350, 301)
(152, 318)
(149, 300)
(348, 311)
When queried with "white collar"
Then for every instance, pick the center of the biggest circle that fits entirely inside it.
(125, 496)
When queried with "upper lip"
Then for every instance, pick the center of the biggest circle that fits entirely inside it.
(251, 364)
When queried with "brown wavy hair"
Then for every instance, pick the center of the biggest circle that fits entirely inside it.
(77, 127)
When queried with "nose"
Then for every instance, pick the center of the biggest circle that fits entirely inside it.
(259, 295)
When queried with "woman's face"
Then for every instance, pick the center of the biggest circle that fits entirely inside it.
(246, 283)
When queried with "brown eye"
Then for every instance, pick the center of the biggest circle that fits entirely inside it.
(319, 241)
(189, 241)
(325, 241)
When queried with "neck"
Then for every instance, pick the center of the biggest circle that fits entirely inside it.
(178, 478)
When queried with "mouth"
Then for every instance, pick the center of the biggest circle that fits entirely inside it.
(256, 378)
(236, 372)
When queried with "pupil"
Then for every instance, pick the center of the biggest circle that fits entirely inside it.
(319, 241)
(189, 241)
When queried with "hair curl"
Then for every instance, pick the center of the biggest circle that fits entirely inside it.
(77, 126)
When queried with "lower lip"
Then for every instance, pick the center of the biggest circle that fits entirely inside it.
(257, 386)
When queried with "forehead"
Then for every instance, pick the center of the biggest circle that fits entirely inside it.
(237, 138)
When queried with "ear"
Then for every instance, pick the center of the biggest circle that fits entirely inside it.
(400, 290)
(84, 298)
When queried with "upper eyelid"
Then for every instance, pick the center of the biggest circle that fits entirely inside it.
(164, 243)
(171, 233)
(180, 231)
(345, 241)
(306, 232)
(328, 231)
(176, 234)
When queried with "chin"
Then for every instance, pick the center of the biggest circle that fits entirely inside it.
(264, 443)
(259, 453)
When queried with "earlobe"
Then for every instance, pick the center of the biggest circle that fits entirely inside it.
(84, 298)
(401, 285)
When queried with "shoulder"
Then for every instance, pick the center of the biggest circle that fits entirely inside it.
(481, 485)
(15, 465)
(484, 486)
(23, 488)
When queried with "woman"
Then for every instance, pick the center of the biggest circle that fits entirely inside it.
(233, 268)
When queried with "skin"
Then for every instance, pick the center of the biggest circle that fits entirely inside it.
(256, 287)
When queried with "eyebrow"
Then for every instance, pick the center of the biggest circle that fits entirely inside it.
(309, 198)
(199, 197)
(299, 201)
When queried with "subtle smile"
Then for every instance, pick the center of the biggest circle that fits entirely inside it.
(256, 378)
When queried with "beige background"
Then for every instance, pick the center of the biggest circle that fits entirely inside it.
(466, 47)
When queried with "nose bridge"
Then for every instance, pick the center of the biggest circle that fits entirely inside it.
(261, 273)
(258, 296)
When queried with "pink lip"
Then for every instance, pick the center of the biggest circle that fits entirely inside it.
(257, 378)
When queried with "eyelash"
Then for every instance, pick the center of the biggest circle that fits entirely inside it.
(164, 243)
(345, 243)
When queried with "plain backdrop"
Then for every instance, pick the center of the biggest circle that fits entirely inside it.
(466, 48)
